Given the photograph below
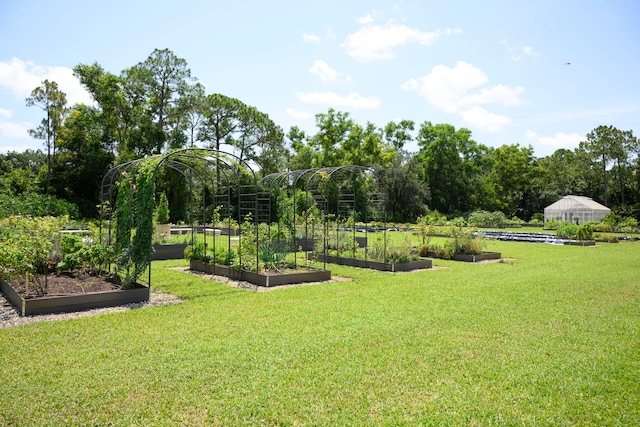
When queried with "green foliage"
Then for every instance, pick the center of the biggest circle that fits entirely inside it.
(552, 224)
(485, 218)
(537, 218)
(34, 204)
(567, 231)
(425, 229)
(134, 210)
(221, 255)
(26, 247)
(84, 254)
(162, 209)
(465, 242)
(574, 231)
(584, 232)
(434, 217)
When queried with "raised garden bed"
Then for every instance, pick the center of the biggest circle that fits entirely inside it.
(174, 251)
(485, 256)
(374, 265)
(581, 243)
(263, 278)
(72, 301)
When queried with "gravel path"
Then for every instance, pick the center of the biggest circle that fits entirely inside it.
(9, 314)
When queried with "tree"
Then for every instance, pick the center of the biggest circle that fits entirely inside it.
(397, 134)
(440, 157)
(82, 160)
(601, 146)
(560, 174)
(222, 119)
(193, 103)
(303, 156)
(333, 129)
(54, 103)
(406, 196)
(365, 147)
(19, 172)
(115, 116)
(511, 175)
(258, 139)
(155, 87)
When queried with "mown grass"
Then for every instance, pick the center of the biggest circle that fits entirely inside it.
(549, 338)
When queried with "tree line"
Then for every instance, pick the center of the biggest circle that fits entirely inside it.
(157, 105)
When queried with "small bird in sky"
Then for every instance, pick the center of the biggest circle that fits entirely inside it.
(567, 63)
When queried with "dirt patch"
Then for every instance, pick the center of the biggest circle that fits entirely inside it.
(67, 283)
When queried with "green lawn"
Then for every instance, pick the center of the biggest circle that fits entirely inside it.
(550, 337)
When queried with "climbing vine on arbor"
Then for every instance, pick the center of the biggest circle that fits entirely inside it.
(134, 209)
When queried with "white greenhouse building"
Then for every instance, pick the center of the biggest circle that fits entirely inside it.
(575, 209)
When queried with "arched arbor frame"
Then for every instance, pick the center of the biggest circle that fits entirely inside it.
(334, 198)
(222, 188)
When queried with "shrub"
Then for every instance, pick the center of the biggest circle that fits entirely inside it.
(552, 224)
(537, 218)
(464, 242)
(399, 254)
(27, 246)
(37, 205)
(481, 217)
(567, 231)
(162, 209)
(433, 217)
(584, 232)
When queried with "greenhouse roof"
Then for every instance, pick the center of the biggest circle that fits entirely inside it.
(578, 201)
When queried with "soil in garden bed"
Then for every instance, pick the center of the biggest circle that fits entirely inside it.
(69, 283)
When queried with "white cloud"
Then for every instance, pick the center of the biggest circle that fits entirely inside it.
(505, 95)
(325, 72)
(445, 88)
(461, 90)
(311, 38)
(300, 115)
(559, 140)
(377, 42)
(518, 52)
(9, 129)
(352, 100)
(22, 78)
(369, 18)
(14, 130)
(483, 120)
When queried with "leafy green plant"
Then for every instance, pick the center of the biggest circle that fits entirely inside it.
(197, 252)
(567, 231)
(161, 212)
(584, 232)
(26, 248)
(486, 218)
(134, 210)
(465, 242)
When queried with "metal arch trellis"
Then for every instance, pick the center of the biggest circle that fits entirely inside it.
(203, 163)
(317, 184)
(345, 204)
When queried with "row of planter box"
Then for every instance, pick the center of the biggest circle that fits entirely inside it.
(77, 302)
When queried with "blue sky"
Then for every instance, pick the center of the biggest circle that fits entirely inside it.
(496, 67)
